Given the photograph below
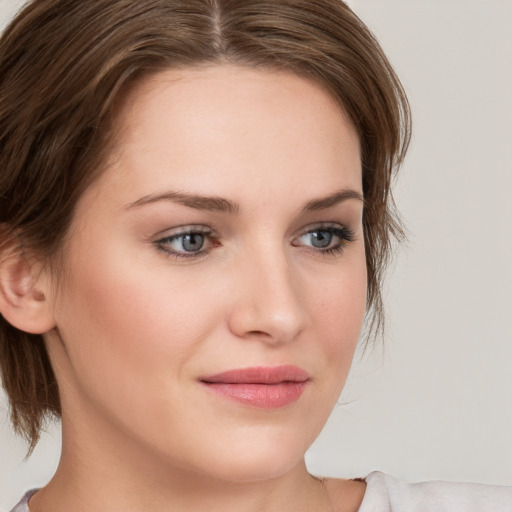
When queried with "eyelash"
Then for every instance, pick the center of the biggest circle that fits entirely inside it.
(344, 234)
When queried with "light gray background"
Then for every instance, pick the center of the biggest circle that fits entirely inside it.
(436, 403)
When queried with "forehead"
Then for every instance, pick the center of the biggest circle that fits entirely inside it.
(229, 129)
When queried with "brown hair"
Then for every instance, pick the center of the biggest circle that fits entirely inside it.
(63, 66)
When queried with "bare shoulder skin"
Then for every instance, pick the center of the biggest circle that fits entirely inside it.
(345, 495)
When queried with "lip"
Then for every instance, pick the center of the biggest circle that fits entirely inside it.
(260, 387)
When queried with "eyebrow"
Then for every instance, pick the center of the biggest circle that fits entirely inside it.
(212, 204)
(219, 204)
(324, 203)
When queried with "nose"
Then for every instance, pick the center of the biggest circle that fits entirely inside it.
(268, 304)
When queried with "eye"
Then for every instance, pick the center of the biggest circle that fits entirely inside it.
(320, 239)
(190, 243)
(326, 239)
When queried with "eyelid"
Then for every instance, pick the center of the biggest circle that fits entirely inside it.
(326, 226)
(182, 230)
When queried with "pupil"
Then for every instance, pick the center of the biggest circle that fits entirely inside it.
(321, 238)
(193, 242)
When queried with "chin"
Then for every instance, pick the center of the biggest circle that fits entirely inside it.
(255, 470)
(262, 458)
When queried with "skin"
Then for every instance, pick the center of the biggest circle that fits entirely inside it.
(134, 327)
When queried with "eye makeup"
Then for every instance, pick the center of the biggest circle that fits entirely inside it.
(194, 242)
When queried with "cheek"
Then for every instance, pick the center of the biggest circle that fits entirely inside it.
(338, 311)
(128, 310)
(340, 304)
(127, 325)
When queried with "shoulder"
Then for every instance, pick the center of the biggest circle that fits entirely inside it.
(22, 506)
(345, 495)
(385, 493)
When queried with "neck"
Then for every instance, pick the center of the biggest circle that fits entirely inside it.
(113, 474)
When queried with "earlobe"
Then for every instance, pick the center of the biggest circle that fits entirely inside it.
(23, 297)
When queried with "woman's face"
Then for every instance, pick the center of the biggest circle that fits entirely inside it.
(215, 282)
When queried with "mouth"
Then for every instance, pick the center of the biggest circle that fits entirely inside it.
(260, 387)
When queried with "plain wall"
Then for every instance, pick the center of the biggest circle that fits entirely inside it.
(436, 402)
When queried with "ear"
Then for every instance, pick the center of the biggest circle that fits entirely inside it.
(23, 292)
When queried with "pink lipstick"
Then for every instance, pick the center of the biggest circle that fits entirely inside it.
(262, 387)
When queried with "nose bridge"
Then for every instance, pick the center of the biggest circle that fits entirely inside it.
(271, 304)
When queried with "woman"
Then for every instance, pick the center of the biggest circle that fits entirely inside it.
(195, 217)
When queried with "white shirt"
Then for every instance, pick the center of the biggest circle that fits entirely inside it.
(385, 493)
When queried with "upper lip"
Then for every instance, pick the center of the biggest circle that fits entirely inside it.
(259, 375)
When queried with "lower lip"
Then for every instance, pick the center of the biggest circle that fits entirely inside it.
(263, 396)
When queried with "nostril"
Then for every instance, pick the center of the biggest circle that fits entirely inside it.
(258, 333)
